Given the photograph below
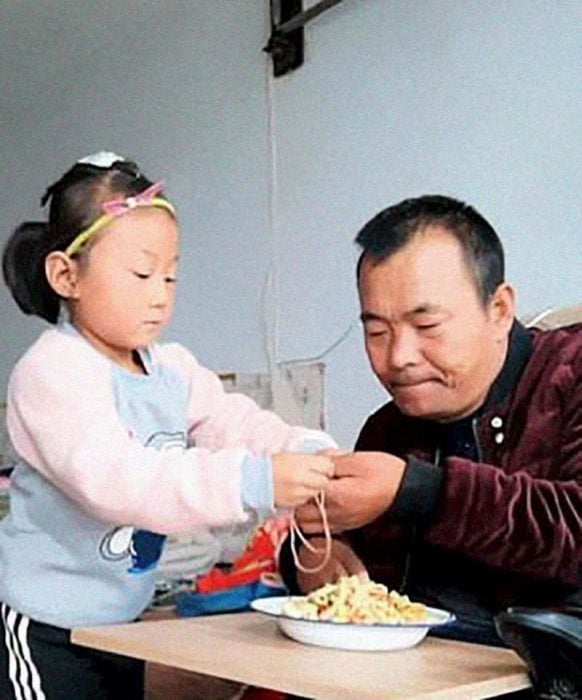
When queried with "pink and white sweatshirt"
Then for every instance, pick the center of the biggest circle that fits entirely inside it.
(112, 461)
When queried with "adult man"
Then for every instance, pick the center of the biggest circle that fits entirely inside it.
(465, 490)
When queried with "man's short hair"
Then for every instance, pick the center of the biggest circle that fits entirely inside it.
(394, 227)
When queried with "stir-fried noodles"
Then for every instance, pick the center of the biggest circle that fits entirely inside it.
(355, 601)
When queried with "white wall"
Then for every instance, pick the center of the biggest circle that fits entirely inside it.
(396, 98)
(180, 87)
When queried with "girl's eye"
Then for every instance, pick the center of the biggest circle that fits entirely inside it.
(142, 275)
(427, 326)
(171, 280)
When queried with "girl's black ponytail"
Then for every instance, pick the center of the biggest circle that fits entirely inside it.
(75, 203)
(24, 274)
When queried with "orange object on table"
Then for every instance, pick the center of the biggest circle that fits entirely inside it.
(259, 558)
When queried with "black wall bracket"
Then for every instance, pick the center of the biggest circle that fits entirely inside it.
(286, 43)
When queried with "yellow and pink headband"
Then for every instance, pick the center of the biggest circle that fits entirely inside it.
(115, 208)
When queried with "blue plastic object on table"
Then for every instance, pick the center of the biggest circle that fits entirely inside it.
(234, 599)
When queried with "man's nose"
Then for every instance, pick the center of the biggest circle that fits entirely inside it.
(403, 350)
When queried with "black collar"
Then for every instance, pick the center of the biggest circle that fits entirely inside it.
(519, 350)
(457, 438)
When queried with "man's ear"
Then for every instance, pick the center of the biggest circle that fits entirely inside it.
(502, 309)
(62, 273)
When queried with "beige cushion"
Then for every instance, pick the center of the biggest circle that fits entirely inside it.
(554, 318)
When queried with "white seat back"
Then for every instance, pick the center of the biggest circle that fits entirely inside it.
(555, 318)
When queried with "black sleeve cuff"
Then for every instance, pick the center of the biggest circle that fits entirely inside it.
(419, 491)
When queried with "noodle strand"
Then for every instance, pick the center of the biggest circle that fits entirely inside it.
(296, 533)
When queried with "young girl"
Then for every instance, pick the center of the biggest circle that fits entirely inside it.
(121, 440)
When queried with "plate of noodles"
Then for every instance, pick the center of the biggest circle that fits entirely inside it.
(353, 614)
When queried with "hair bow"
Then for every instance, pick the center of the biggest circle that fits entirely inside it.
(117, 207)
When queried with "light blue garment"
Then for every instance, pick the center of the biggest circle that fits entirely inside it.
(61, 566)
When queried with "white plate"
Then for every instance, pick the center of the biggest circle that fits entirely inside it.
(377, 637)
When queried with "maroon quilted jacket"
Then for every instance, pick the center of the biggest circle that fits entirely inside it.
(502, 526)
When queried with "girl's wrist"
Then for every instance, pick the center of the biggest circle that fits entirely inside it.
(257, 488)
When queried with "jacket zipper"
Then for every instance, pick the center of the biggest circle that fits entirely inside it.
(476, 436)
(437, 460)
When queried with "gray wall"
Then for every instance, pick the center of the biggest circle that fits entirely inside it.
(274, 177)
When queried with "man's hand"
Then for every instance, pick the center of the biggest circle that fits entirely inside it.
(342, 562)
(364, 486)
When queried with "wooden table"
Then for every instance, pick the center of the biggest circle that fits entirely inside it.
(247, 647)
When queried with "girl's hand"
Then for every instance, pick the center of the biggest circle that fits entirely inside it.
(298, 477)
(342, 562)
